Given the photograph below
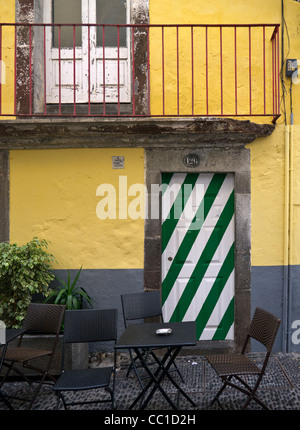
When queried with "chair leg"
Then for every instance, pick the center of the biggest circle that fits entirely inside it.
(257, 400)
(114, 382)
(45, 374)
(252, 395)
(60, 397)
(248, 391)
(7, 372)
(225, 383)
(111, 392)
(58, 400)
(36, 392)
(11, 367)
(5, 401)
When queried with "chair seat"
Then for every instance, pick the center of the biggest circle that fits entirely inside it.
(40, 318)
(232, 364)
(83, 379)
(22, 355)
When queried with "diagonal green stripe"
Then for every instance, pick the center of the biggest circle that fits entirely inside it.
(166, 179)
(167, 176)
(191, 235)
(215, 292)
(177, 208)
(225, 323)
(204, 260)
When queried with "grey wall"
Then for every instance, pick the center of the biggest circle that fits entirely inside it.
(268, 291)
(105, 286)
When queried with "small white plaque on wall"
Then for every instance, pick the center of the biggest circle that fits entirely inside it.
(118, 162)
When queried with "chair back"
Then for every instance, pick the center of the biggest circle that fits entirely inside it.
(90, 325)
(44, 318)
(141, 305)
(264, 327)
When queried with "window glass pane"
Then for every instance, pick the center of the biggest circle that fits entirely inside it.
(111, 12)
(66, 12)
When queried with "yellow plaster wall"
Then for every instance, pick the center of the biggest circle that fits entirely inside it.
(267, 154)
(53, 196)
(213, 12)
(296, 196)
(63, 207)
(267, 199)
(7, 15)
(268, 169)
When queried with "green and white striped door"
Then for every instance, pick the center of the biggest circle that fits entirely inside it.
(198, 252)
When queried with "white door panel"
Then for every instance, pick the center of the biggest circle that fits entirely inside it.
(198, 263)
(91, 79)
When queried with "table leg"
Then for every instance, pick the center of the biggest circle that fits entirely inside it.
(153, 380)
(169, 357)
(179, 388)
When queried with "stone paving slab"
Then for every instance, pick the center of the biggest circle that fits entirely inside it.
(280, 388)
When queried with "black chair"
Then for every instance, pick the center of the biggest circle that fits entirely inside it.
(138, 306)
(87, 325)
(40, 319)
(263, 328)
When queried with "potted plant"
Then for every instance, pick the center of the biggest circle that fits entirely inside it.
(69, 294)
(24, 272)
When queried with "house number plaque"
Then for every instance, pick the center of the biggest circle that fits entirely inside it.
(191, 160)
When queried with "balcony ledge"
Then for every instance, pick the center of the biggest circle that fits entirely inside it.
(128, 132)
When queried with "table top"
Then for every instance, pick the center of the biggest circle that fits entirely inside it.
(144, 335)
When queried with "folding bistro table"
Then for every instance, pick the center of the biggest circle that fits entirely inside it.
(144, 336)
(10, 334)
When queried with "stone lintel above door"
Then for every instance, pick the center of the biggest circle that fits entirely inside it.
(129, 132)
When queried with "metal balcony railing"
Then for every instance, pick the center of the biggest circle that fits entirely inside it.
(89, 70)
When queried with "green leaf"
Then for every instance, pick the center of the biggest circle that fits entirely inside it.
(62, 282)
(24, 271)
(70, 293)
(60, 294)
(76, 278)
(69, 302)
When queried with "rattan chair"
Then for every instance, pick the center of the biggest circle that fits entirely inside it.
(87, 325)
(138, 306)
(40, 319)
(263, 328)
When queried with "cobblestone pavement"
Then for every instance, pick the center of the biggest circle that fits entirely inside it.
(280, 388)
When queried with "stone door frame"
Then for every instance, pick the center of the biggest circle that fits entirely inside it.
(213, 160)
